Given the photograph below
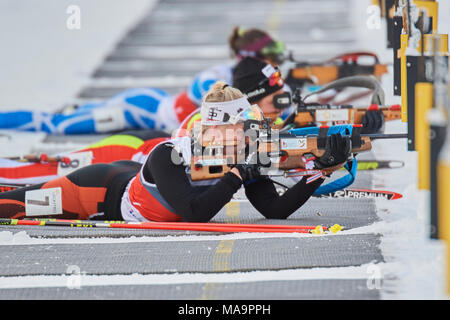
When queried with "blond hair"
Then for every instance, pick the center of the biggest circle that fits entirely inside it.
(221, 92)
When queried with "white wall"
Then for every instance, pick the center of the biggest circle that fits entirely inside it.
(43, 64)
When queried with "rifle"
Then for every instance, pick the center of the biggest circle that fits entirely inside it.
(5, 187)
(312, 114)
(278, 152)
(344, 65)
(41, 158)
(317, 114)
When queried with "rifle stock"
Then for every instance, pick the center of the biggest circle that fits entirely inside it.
(289, 152)
(323, 74)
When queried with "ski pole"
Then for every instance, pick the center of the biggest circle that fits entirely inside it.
(211, 227)
(188, 224)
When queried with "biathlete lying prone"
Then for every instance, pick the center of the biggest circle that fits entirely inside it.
(161, 188)
(260, 81)
(135, 145)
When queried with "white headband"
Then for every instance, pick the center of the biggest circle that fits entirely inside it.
(217, 113)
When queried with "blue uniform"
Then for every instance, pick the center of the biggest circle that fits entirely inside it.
(142, 108)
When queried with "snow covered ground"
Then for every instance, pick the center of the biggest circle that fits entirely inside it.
(415, 265)
(56, 62)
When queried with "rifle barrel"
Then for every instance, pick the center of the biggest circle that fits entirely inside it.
(374, 136)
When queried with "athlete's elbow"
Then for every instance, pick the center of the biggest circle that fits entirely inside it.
(271, 214)
(276, 214)
(194, 217)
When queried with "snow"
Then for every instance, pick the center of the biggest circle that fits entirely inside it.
(83, 280)
(8, 238)
(415, 264)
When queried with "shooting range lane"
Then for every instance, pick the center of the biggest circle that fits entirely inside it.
(164, 50)
(261, 290)
(175, 40)
(191, 256)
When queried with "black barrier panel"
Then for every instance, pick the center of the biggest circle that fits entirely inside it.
(437, 139)
(410, 96)
(396, 44)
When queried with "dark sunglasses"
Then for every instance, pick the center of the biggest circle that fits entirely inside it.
(282, 101)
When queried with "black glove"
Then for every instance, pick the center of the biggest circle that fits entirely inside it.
(372, 121)
(248, 171)
(337, 151)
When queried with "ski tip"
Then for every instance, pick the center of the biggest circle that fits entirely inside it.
(361, 193)
(395, 164)
(335, 228)
(319, 230)
(396, 196)
(387, 195)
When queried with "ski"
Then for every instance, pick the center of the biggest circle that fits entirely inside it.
(379, 164)
(362, 193)
(183, 226)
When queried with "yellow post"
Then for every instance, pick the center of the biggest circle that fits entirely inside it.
(424, 102)
(443, 173)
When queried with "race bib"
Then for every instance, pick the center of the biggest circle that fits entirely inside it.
(108, 119)
(43, 202)
(77, 160)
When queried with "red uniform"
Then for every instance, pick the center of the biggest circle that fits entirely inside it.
(114, 148)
